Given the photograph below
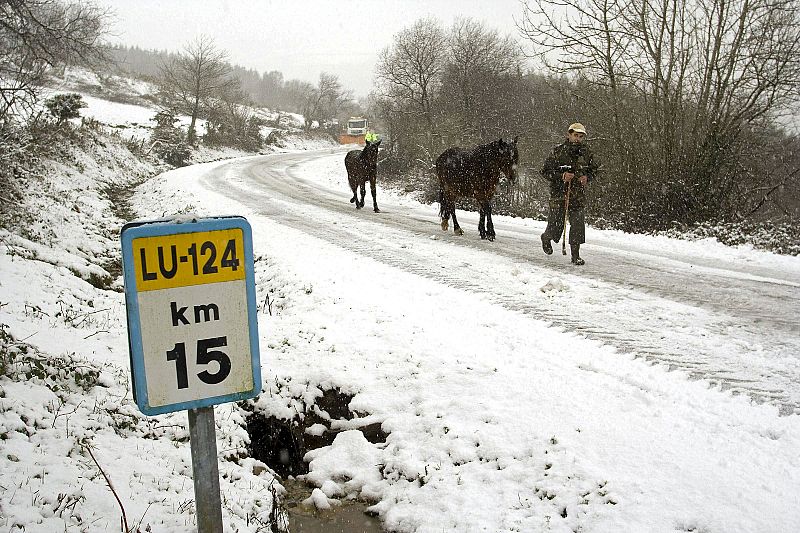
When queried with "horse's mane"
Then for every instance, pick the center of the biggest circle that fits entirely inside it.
(490, 148)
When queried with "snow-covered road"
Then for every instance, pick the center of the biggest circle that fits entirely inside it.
(724, 317)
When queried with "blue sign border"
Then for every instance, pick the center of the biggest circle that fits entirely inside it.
(155, 228)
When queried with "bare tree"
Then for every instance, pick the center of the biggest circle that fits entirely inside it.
(320, 102)
(697, 77)
(233, 122)
(410, 71)
(192, 81)
(584, 38)
(37, 35)
(437, 88)
(478, 57)
(298, 92)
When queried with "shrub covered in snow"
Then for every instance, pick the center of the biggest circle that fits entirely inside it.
(65, 106)
(168, 141)
(781, 238)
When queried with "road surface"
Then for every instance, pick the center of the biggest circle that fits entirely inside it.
(731, 323)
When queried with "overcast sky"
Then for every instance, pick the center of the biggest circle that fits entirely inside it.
(300, 38)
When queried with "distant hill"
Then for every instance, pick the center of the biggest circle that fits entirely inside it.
(268, 89)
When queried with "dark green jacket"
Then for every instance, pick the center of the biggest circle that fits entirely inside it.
(579, 158)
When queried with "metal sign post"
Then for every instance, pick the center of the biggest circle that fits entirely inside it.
(205, 471)
(192, 331)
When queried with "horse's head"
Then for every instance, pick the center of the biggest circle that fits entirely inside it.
(508, 158)
(369, 155)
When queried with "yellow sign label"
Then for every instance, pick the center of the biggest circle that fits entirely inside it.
(169, 261)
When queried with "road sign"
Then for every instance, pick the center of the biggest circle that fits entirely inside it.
(192, 325)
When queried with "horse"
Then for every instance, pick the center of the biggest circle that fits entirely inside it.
(361, 166)
(474, 173)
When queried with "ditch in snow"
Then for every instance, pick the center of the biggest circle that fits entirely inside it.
(282, 444)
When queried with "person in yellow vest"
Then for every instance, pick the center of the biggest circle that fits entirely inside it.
(371, 136)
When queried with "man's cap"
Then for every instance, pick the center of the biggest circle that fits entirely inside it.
(576, 126)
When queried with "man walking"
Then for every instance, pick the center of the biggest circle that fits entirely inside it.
(568, 168)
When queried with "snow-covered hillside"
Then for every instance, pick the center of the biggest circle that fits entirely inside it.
(65, 406)
(66, 415)
(128, 105)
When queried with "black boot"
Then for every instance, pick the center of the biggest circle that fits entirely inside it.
(576, 257)
(546, 246)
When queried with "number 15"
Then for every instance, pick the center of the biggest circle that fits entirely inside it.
(205, 355)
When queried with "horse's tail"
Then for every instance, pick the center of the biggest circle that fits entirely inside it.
(442, 210)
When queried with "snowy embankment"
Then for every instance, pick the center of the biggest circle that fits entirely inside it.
(68, 426)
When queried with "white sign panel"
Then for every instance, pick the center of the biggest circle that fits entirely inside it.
(192, 324)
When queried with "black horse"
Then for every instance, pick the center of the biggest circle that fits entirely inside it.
(474, 173)
(361, 166)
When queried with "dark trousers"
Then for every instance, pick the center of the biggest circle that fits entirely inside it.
(555, 222)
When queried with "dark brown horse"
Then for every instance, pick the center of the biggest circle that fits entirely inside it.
(361, 166)
(474, 174)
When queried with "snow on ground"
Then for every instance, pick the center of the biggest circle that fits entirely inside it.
(132, 121)
(496, 422)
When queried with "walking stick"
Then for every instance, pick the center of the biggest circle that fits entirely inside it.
(566, 210)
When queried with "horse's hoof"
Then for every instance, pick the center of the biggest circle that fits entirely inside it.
(352, 200)
(445, 226)
(377, 210)
(458, 231)
(490, 237)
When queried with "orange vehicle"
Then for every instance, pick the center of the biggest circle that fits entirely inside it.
(354, 131)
